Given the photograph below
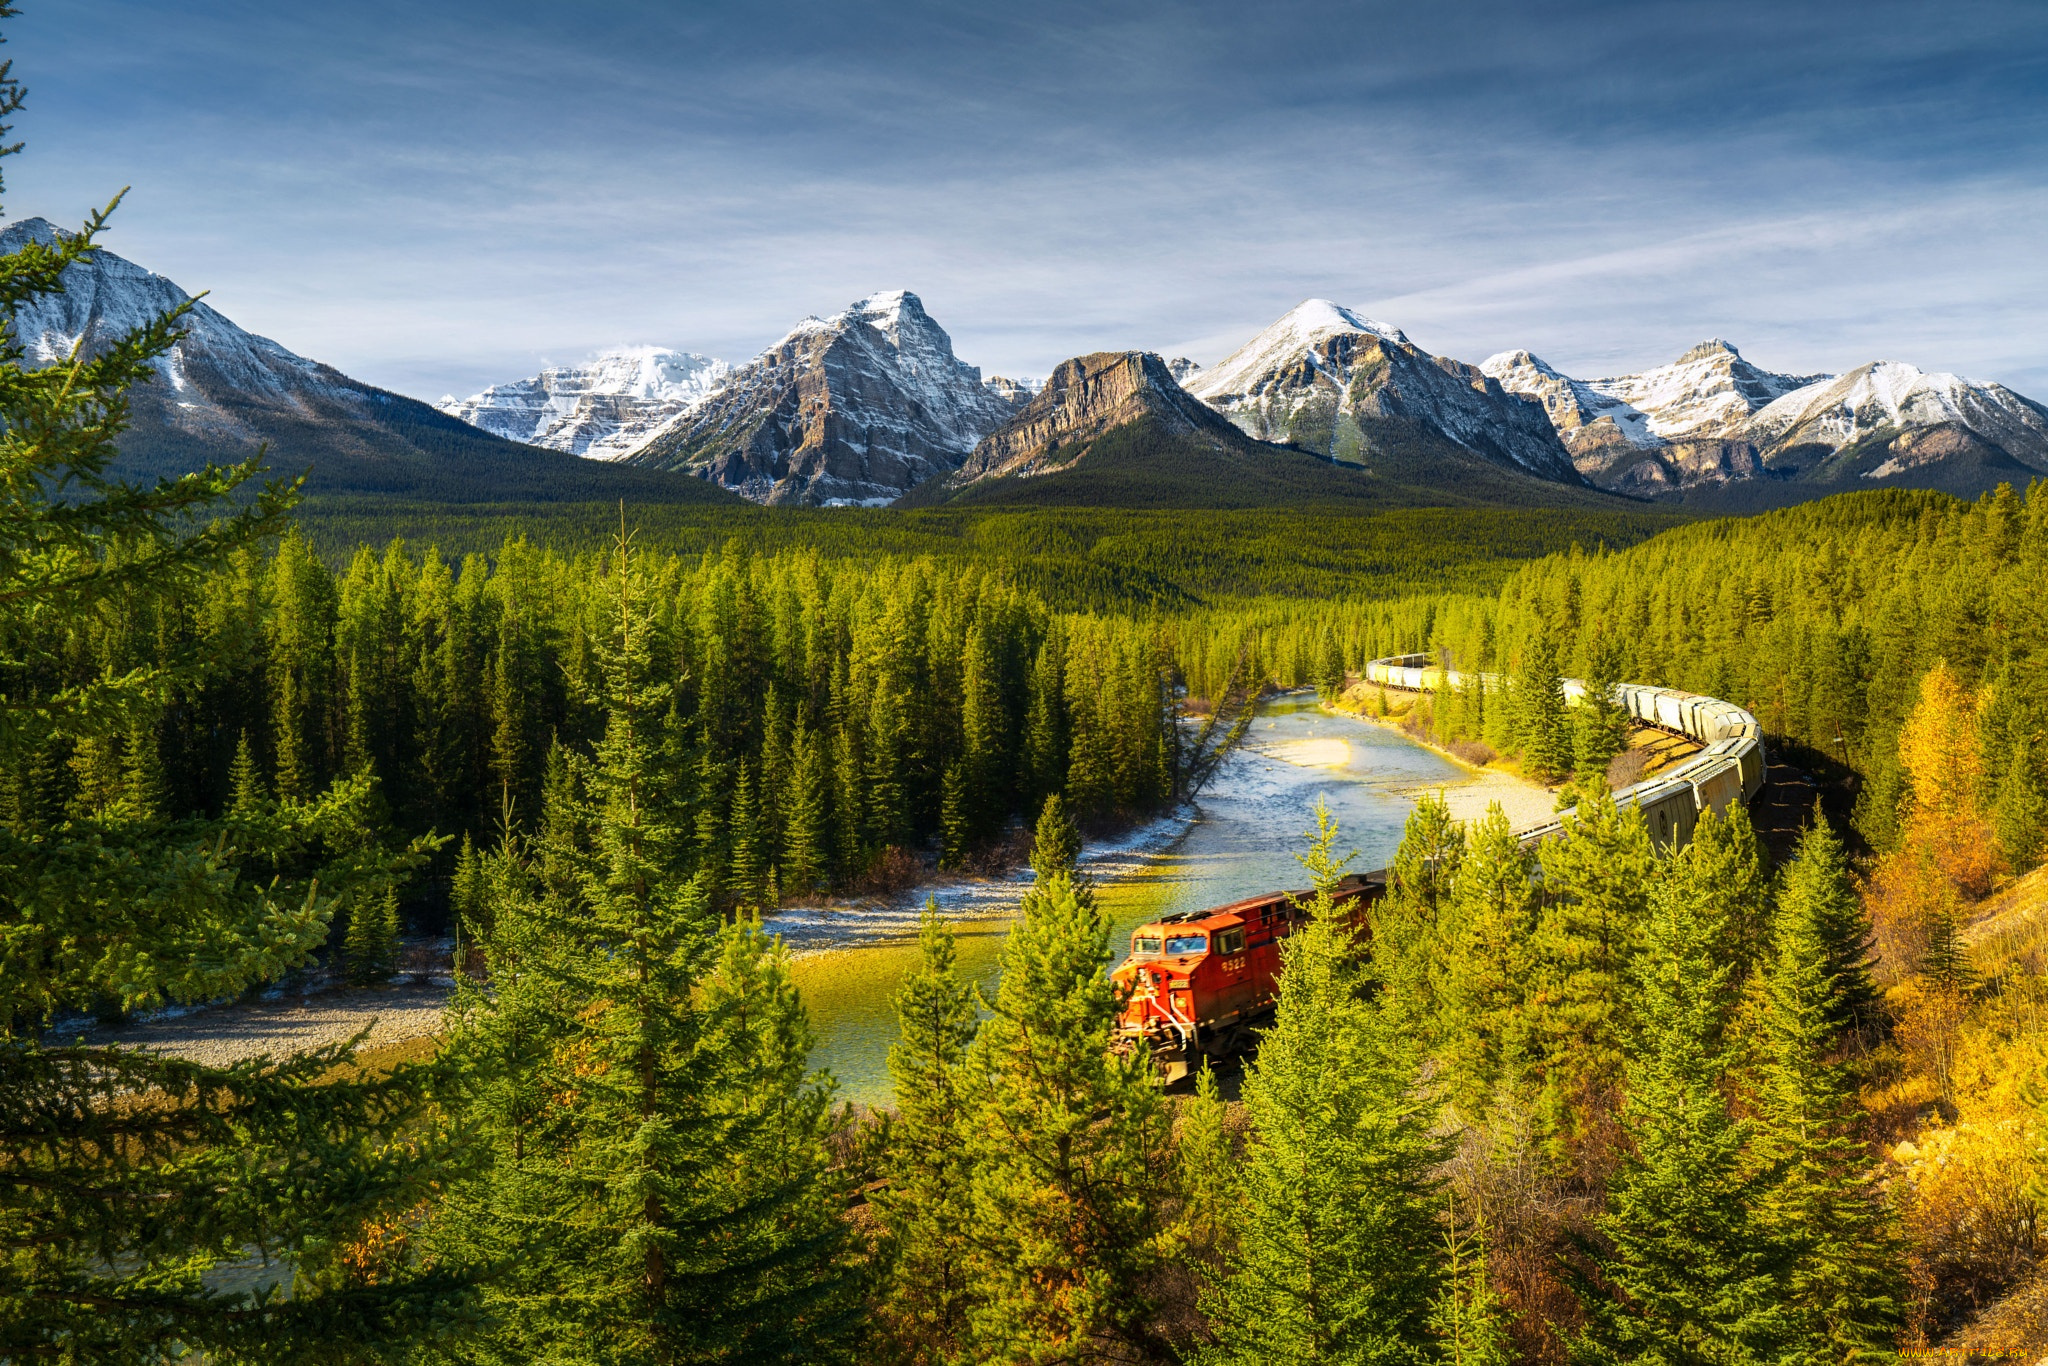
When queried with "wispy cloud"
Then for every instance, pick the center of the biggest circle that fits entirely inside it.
(437, 197)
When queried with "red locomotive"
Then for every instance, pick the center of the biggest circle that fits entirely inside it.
(1198, 983)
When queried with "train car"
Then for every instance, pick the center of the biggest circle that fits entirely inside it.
(1198, 982)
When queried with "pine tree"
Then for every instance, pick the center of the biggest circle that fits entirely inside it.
(1599, 725)
(1544, 732)
(956, 829)
(1070, 1148)
(1469, 1319)
(655, 1185)
(1686, 1264)
(370, 950)
(1056, 843)
(1595, 882)
(1335, 1256)
(1329, 666)
(271, 1170)
(927, 1209)
(1411, 952)
(806, 843)
(1209, 1167)
(2020, 814)
(1486, 1037)
(1817, 892)
(1831, 1242)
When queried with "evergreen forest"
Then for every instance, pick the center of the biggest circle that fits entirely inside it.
(1596, 1101)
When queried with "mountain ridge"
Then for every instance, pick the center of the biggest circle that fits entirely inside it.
(602, 409)
(1712, 428)
(223, 392)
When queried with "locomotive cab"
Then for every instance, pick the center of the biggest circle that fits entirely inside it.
(1198, 982)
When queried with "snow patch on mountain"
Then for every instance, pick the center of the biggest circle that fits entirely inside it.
(604, 409)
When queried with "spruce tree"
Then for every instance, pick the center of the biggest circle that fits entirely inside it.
(956, 826)
(655, 1178)
(274, 1170)
(1411, 955)
(245, 782)
(1817, 892)
(1686, 1276)
(1056, 842)
(1469, 1318)
(1599, 725)
(748, 864)
(1070, 1146)
(1485, 1031)
(2020, 813)
(1543, 731)
(1596, 879)
(1830, 1238)
(927, 1209)
(806, 840)
(370, 948)
(1335, 1256)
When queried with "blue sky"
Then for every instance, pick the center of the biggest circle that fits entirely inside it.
(435, 196)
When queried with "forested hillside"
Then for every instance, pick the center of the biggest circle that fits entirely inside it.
(1600, 1101)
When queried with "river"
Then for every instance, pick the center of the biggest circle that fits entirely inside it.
(1241, 840)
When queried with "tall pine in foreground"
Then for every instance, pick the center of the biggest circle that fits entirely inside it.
(1832, 1242)
(655, 1184)
(927, 1210)
(127, 1177)
(1336, 1256)
(1684, 1277)
(1070, 1147)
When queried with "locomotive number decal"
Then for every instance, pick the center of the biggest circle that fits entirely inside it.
(1233, 965)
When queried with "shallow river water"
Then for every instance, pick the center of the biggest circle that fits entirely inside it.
(1242, 838)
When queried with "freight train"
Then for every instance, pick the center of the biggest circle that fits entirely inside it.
(1198, 983)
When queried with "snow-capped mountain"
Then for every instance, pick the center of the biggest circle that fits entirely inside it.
(222, 392)
(854, 408)
(602, 409)
(1711, 419)
(1345, 386)
(1886, 401)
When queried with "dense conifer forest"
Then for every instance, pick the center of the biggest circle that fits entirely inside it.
(1601, 1101)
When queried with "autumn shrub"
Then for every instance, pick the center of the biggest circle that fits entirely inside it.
(1972, 1223)
(1475, 752)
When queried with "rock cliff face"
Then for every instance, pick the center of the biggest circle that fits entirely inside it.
(1342, 385)
(1085, 398)
(855, 408)
(1711, 420)
(221, 392)
(603, 409)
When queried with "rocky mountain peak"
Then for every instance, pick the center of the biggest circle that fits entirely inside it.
(1084, 398)
(1335, 382)
(1711, 349)
(857, 407)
